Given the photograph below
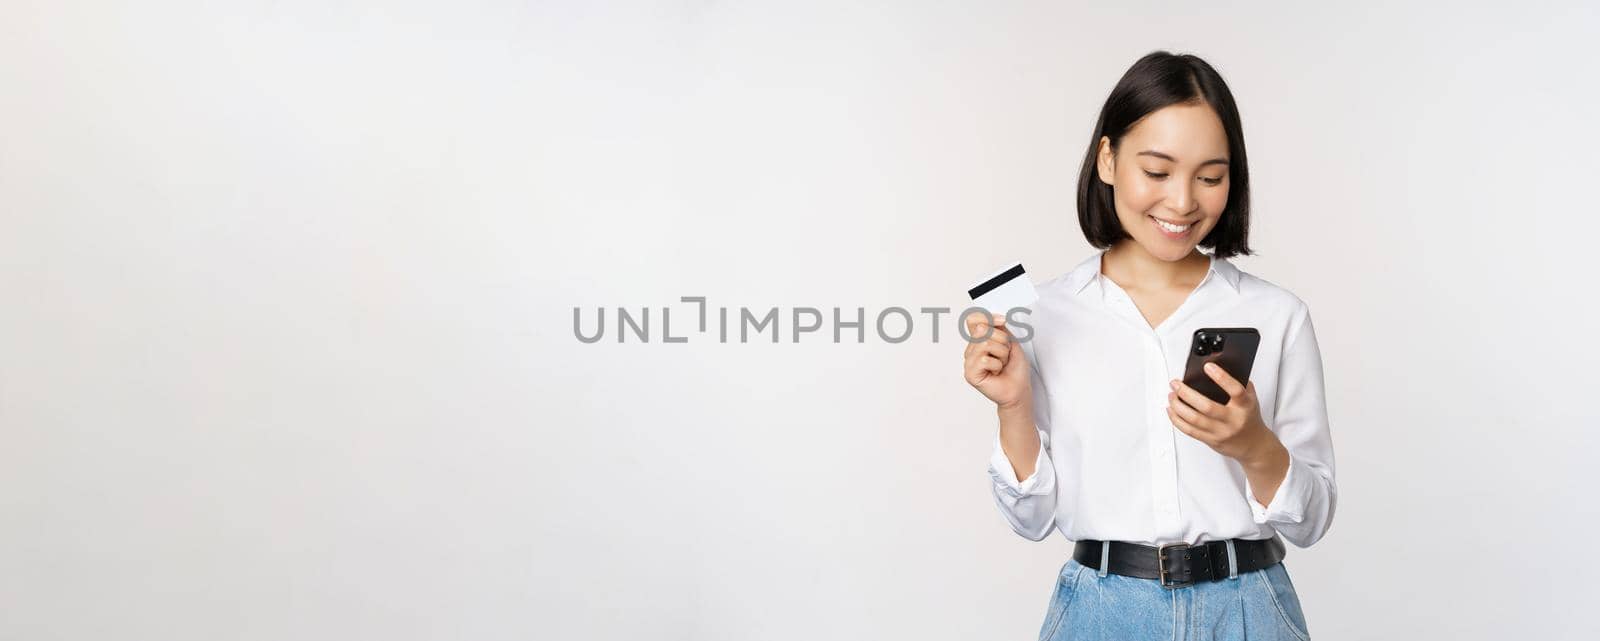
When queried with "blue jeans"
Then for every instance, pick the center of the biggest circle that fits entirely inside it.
(1252, 605)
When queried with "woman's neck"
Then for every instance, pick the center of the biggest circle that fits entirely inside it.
(1128, 265)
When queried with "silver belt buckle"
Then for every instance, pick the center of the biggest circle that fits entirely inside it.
(1161, 565)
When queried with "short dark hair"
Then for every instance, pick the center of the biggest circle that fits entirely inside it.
(1158, 80)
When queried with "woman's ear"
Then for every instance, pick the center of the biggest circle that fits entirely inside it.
(1106, 162)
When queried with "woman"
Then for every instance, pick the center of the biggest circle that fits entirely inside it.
(1175, 501)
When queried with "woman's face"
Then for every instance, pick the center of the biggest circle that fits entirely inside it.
(1171, 166)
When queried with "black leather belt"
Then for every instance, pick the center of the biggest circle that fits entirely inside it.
(1177, 565)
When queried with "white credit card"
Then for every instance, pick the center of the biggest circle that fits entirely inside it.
(1004, 290)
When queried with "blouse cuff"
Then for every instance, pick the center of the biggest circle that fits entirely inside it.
(1289, 501)
(1041, 482)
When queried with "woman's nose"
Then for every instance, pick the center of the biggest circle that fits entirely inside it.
(1181, 196)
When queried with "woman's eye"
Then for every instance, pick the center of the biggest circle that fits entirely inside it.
(1211, 181)
(1154, 175)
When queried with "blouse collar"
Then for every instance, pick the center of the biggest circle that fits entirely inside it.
(1089, 270)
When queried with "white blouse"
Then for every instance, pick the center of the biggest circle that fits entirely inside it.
(1113, 467)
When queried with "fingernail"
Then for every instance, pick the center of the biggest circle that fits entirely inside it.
(1211, 367)
(1172, 384)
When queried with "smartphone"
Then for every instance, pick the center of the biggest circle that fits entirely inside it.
(1233, 348)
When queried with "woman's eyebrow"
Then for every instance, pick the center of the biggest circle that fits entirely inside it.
(1152, 152)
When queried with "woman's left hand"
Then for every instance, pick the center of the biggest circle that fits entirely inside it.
(1234, 430)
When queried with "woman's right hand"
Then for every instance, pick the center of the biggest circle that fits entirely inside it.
(997, 366)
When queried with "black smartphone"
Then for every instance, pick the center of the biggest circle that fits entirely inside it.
(1233, 348)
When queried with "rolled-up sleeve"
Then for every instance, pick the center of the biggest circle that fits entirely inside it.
(1029, 505)
(1302, 508)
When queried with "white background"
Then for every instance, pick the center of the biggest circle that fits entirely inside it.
(287, 347)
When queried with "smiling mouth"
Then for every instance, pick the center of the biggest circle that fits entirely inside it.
(1171, 228)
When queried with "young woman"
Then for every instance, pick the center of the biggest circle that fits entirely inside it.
(1175, 501)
